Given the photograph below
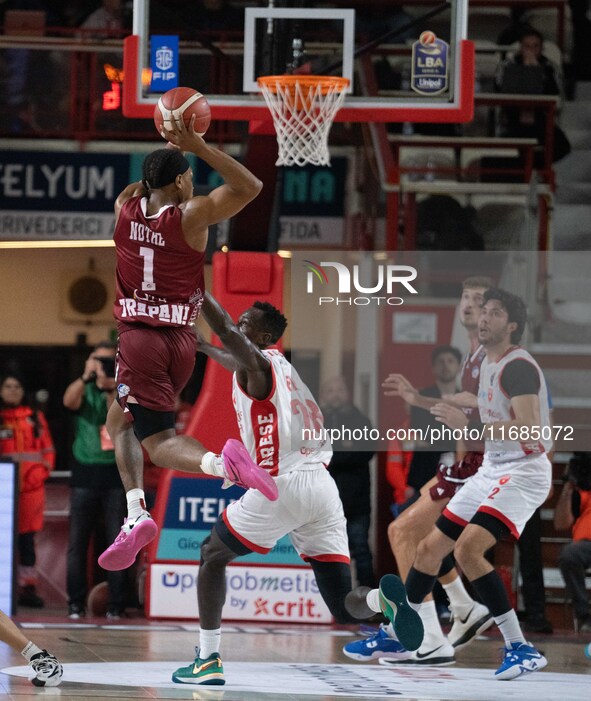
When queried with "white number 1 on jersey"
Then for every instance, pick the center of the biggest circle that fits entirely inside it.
(147, 254)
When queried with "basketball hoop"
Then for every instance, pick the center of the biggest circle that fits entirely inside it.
(303, 108)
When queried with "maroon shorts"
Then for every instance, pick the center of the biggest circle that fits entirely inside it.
(451, 479)
(154, 364)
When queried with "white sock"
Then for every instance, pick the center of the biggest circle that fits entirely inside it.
(459, 599)
(209, 642)
(136, 503)
(428, 614)
(29, 650)
(390, 631)
(213, 464)
(510, 628)
(373, 600)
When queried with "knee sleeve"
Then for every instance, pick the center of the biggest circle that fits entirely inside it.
(215, 551)
(334, 583)
(447, 565)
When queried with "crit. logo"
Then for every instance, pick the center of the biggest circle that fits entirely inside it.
(261, 607)
(382, 282)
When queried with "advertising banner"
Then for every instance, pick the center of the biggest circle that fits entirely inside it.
(312, 213)
(192, 508)
(254, 593)
(60, 195)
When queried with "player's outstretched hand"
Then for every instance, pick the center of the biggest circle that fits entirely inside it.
(183, 137)
(396, 385)
(449, 415)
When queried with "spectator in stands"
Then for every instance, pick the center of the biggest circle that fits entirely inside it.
(110, 18)
(529, 72)
(350, 469)
(97, 494)
(573, 510)
(25, 438)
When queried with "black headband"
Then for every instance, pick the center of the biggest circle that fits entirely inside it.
(172, 163)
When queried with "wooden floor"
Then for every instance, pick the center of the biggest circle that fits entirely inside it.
(134, 659)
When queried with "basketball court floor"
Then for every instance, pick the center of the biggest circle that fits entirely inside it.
(134, 659)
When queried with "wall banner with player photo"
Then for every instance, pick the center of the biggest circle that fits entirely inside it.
(400, 327)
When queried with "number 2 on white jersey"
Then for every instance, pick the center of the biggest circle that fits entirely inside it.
(148, 284)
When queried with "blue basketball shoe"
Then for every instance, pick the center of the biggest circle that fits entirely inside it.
(376, 646)
(520, 658)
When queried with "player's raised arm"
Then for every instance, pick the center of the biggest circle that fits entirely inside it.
(247, 354)
(220, 355)
(240, 185)
(132, 190)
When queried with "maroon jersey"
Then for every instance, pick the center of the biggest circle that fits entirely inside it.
(470, 374)
(160, 278)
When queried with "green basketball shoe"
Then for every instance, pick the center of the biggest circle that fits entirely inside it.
(394, 604)
(209, 671)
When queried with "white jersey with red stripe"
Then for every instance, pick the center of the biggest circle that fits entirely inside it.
(284, 431)
(495, 406)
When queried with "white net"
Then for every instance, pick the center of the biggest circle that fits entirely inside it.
(303, 109)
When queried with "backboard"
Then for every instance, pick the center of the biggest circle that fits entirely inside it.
(428, 51)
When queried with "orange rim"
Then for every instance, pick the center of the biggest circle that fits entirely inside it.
(326, 83)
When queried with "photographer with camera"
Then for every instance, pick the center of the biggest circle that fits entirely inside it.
(97, 494)
(573, 510)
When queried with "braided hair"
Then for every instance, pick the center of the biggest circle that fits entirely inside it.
(161, 167)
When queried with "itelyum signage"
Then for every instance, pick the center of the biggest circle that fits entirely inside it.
(78, 182)
(59, 195)
(193, 507)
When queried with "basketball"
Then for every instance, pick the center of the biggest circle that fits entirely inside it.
(98, 598)
(427, 38)
(182, 103)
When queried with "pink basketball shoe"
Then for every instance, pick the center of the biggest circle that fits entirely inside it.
(131, 539)
(241, 470)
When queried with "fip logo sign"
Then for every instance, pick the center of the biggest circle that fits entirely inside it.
(385, 279)
(164, 62)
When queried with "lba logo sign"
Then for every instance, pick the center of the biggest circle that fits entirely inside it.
(385, 280)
